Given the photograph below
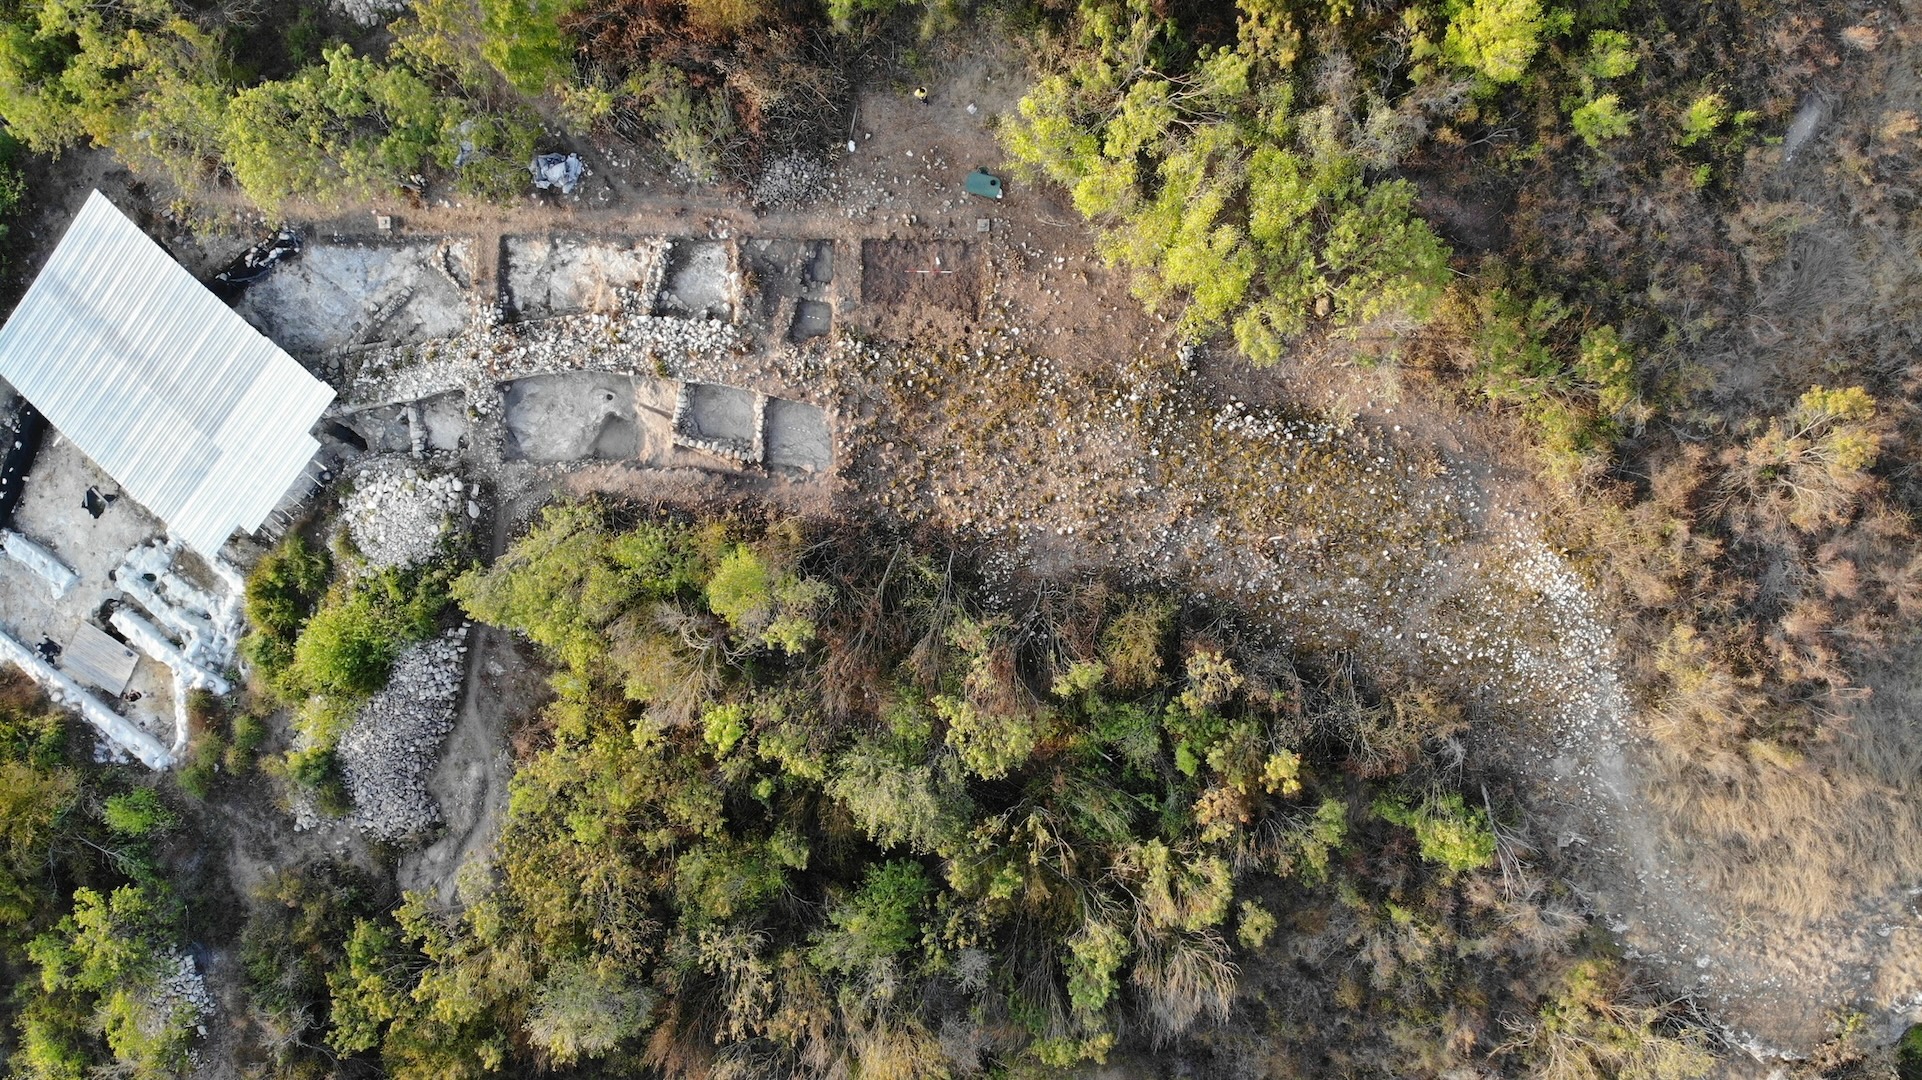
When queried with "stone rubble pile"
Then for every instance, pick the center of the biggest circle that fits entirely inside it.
(182, 985)
(369, 12)
(791, 182)
(395, 739)
(397, 515)
(628, 342)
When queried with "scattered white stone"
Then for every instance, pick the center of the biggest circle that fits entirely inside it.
(793, 181)
(370, 12)
(629, 341)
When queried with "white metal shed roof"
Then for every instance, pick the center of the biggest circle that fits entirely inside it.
(200, 418)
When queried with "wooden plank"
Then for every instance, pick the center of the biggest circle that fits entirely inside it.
(93, 657)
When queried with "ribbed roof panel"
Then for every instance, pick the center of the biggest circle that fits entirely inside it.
(200, 418)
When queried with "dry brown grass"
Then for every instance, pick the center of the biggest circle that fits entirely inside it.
(1808, 835)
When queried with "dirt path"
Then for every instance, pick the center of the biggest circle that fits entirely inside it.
(470, 779)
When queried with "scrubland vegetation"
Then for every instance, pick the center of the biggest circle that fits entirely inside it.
(1251, 173)
(807, 802)
(817, 799)
(320, 108)
(90, 919)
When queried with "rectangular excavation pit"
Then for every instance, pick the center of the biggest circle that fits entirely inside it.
(588, 416)
(797, 436)
(700, 281)
(938, 273)
(383, 430)
(338, 294)
(722, 420)
(561, 275)
(812, 319)
(773, 272)
(780, 269)
(445, 418)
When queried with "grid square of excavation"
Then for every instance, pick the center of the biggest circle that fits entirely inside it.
(355, 293)
(778, 289)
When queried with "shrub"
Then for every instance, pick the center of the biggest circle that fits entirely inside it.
(1449, 833)
(1602, 119)
(1256, 926)
(317, 769)
(32, 735)
(349, 644)
(742, 590)
(1611, 55)
(583, 1010)
(1592, 1028)
(1908, 1054)
(723, 726)
(718, 881)
(249, 734)
(285, 585)
(1809, 467)
(877, 923)
(843, 13)
(139, 815)
(197, 777)
(1132, 643)
(346, 649)
(898, 803)
(1705, 115)
(1496, 39)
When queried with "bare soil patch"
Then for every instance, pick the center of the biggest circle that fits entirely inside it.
(502, 687)
(942, 273)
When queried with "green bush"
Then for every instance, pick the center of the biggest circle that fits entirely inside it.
(877, 923)
(1602, 119)
(139, 815)
(32, 735)
(1496, 39)
(1611, 55)
(1133, 642)
(1705, 115)
(204, 761)
(317, 769)
(285, 585)
(1908, 1054)
(249, 734)
(347, 648)
(349, 644)
(1449, 832)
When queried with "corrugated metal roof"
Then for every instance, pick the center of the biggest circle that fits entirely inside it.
(200, 418)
